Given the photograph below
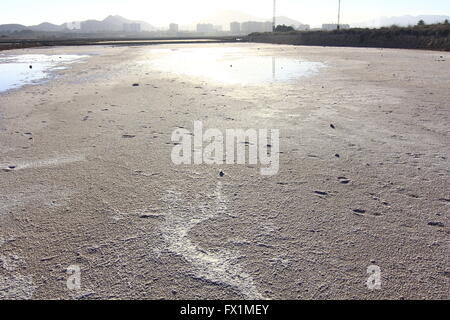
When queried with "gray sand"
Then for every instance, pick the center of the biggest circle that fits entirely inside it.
(143, 228)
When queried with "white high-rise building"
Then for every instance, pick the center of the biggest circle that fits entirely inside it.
(235, 28)
(205, 28)
(173, 27)
(303, 27)
(254, 26)
(132, 27)
(334, 26)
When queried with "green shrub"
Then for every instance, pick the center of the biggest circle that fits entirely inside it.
(284, 28)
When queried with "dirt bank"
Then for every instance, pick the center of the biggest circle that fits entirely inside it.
(377, 38)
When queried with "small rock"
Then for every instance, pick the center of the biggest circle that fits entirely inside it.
(128, 136)
(150, 216)
(359, 211)
(344, 180)
(12, 167)
(337, 155)
(84, 296)
(321, 193)
(222, 174)
(332, 126)
(135, 84)
(93, 250)
(31, 67)
(436, 224)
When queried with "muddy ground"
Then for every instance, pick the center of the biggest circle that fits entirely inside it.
(92, 183)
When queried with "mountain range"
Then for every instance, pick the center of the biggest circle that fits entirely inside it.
(115, 23)
(109, 24)
(225, 17)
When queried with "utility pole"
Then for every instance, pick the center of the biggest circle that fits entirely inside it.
(339, 16)
(274, 23)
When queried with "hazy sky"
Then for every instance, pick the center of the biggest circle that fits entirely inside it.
(162, 12)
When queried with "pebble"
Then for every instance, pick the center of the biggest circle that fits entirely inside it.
(344, 180)
(436, 224)
(150, 216)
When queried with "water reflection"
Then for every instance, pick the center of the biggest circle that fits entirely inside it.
(231, 67)
(20, 70)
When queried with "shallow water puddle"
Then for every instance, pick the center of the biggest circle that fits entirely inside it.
(233, 66)
(15, 71)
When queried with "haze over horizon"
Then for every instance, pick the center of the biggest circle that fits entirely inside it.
(159, 14)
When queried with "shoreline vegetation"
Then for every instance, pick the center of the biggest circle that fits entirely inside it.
(422, 36)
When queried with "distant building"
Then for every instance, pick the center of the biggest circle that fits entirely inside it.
(173, 27)
(205, 28)
(268, 26)
(235, 28)
(253, 26)
(75, 25)
(132, 27)
(303, 27)
(334, 26)
(92, 26)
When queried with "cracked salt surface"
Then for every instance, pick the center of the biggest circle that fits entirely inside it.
(13, 285)
(219, 267)
(58, 161)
